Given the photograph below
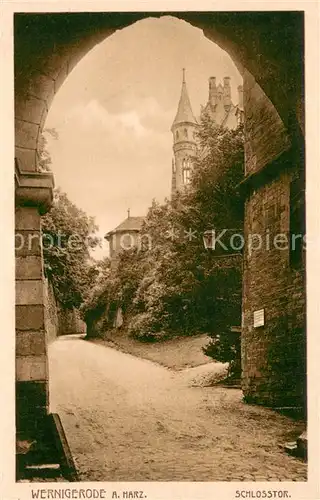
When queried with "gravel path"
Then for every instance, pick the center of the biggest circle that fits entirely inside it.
(129, 419)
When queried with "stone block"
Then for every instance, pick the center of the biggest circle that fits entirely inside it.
(265, 134)
(27, 218)
(28, 267)
(26, 158)
(27, 243)
(34, 189)
(29, 109)
(52, 65)
(30, 343)
(29, 292)
(29, 368)
(29, 317)
(41, 86)
(26, 134)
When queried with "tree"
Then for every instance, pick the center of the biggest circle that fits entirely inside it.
(44, 158)
(68, 235)
(216, 177)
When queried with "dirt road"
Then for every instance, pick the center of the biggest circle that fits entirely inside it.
(130, 419)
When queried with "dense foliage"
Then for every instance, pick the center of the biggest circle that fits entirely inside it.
(68, 236)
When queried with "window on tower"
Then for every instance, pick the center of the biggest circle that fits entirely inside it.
(185, 132)
(177, 135)
(186, 176)
(186, 171)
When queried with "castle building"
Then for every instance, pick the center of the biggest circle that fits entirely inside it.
(220, 106)
(184, 128)
(124, 237)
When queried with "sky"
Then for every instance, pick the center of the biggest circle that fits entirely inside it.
(114, 112)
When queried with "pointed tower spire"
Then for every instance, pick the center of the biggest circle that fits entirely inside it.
(183, 129)
(184, 113)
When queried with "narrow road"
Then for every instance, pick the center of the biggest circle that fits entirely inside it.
(130, 419)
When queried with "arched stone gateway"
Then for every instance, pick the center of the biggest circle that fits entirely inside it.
(268, 49)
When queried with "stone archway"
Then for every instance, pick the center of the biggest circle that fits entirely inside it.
(47, 47)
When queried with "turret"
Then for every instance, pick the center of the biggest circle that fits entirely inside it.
(184, 115)
(226, 91)
(212, 91)
(183, 129)
(220, 107)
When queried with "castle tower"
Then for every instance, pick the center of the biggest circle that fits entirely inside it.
(183, 129)
(220, 106)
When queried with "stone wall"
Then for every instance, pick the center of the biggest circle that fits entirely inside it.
(70, 322)
(59, 321)
(273, 355)
(31, 346)
(48, 46)
(266, 136)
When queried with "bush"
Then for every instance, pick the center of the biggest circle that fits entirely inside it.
(142, 327)
(98, 311)
(226, 347)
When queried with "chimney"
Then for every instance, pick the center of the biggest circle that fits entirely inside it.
(212, 90)
(226, 91)
(240, 96)
(226, 81)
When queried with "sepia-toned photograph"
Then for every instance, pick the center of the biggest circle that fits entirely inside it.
(160, 249)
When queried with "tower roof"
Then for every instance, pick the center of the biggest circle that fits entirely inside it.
(184, 113)
(129, 224)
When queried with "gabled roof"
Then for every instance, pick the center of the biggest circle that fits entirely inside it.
(184, 113)
(129, 224)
